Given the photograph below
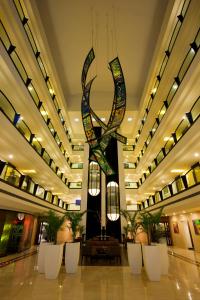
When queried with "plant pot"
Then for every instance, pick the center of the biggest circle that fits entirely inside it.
(53, 260)
(134, 257)
(72, 253)
(164, 259)
(152, 262)
(41, 256)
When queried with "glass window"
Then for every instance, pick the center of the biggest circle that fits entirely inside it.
(195, 111)
(166, 192)
(174, 188)
(7, 107)
(40, 192)
(12, 176)
(180, 184)
(197, 173)
(157, 197)
(19, 66)
(190, 178)
(182, 128)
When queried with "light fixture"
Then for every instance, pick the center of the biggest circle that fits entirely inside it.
(154, 90)
(94, 179)
(162, 112)
(28, 171)
(10, 156)
(51, 91)
(76, 119)
(130, 119)
(44, 113)
(196, 154)
(20, 216)
(175, 86)
(112, 201)
(177, 171)
(103, 119)
(30, 88)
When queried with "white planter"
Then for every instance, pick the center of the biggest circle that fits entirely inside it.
(72, 253)
(53, 260)
(164, 259)
(41, 256)
(134, 257)
(152, 262)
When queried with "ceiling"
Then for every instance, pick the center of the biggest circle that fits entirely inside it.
(128, 28)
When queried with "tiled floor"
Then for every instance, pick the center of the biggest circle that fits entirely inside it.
(21, 280)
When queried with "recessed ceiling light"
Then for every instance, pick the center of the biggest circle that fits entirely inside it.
(166, 138)
(130, 119)
(30, 88)
(76, 119)
(51, 91)
(44, 113)
(103, 119)
(177, 171)
(154, 90)
(183, 211)
(184, 117)
(10, 156)
(175, 86)
(28, 171)
(162, 112)
(39, 139)
(153, 129)
(196, 154)
(174, 214)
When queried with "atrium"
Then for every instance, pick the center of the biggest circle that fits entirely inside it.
(47, 161)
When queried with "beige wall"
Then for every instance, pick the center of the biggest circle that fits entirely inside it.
(179, 238)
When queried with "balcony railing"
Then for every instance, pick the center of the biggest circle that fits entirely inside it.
(27, 27)
(193, 50)
(180, 184)
(163, 66)
(9, 111)
(12, 176)
(11, 50)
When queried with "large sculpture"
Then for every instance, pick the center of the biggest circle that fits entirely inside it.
(99, 145)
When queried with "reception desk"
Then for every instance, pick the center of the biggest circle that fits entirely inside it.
(101, 249)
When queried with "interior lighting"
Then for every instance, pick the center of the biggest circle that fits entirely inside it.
(44, 113)
(76, 119)
(30, 88)
(130, 119)
(154, 90)
(51, 91)
(112, 201)
(94, 179)
(10, 156)
(103, 119)
(177, 171)
(28, 171)
(196, 154)
(175, 86)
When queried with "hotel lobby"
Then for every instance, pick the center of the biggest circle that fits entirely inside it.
(99, 118)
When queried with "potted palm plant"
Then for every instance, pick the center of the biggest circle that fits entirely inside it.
(72, 250)
(53, 251)
(154, 255)
(133, 249)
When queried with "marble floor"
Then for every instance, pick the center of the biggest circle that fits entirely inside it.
(20, 280)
